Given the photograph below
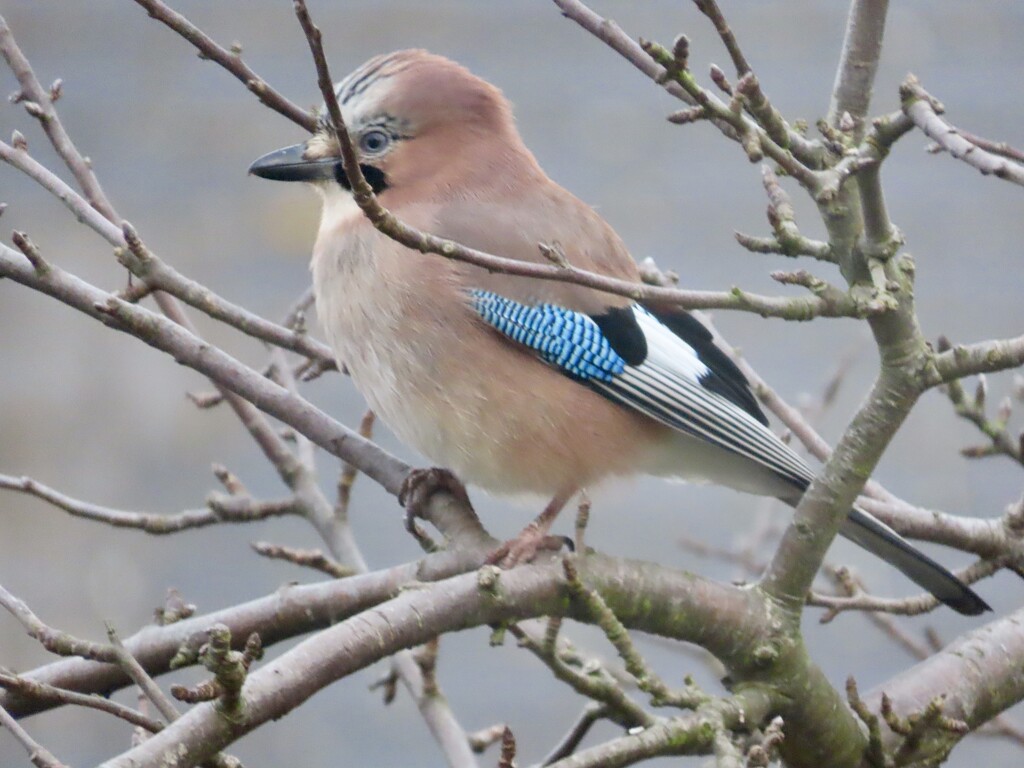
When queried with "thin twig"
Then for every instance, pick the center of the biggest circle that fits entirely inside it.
(37, 753)
(219, 509)
(308, 558)
(907, 606)
(608, 32)
(710, 9)
(32, 92)
(349, 472)
(591, 714)
(131, 666)
(595, 682)
(54, 696)
(229, 60)
(995, 429)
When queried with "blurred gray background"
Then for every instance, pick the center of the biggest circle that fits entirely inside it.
(102, 417)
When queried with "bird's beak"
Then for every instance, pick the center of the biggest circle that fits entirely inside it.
(291, 164)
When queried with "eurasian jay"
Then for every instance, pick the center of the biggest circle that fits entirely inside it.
(519, 384)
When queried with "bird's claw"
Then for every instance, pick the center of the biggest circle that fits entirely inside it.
(420, 485)
(524, 547)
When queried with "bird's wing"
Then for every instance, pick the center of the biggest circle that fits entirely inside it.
(633, 358)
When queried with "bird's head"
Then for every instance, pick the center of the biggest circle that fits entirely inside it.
(418, 121)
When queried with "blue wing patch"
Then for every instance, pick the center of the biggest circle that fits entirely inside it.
(567, 339)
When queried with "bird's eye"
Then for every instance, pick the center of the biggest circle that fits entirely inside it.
(374, 142)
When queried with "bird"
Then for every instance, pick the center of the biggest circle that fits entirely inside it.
(521, 385)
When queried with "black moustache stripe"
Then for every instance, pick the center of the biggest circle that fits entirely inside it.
(376, 178)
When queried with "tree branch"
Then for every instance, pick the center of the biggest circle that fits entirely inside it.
(971, 359)
(415, 616)
(231, 61)
(220, 509)
(39, 103)
(858, 62)
(159, 275)
(924, 109)
(978, 674)
(57, 697)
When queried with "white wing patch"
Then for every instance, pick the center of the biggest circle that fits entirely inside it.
(666, 350)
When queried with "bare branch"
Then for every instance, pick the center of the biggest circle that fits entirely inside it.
(924, 109)
(292, 610)
(308, 558)
(53, 696)
(349, 472)
(597, 610)
(710, 9)
(596, 683)
(995, 429)
(64, 644)
(906, 606)
(755, 139)
(412, 618)
(159, 275)
(220, 509)
(983, 656)
(971, 359)
(32, 92)
(1001, 148)
(608, 32)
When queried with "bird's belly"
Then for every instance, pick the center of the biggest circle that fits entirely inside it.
(515, 428)
(467, 399)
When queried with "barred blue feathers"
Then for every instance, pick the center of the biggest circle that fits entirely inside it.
(568, 339)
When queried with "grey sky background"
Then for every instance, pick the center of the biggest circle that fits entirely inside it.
(102, 417)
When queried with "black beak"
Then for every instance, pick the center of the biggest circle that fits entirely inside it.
(290, 164)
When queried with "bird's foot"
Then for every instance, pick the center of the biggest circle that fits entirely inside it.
(524, 547)
(420, 485)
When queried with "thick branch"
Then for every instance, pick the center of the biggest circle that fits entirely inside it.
(855, 75)
(418, 615)
(291, 611)
(979, 674)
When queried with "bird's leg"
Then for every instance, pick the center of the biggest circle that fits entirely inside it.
(420, 484)
(534, 536)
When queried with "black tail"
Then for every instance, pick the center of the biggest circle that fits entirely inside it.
(881, 540)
